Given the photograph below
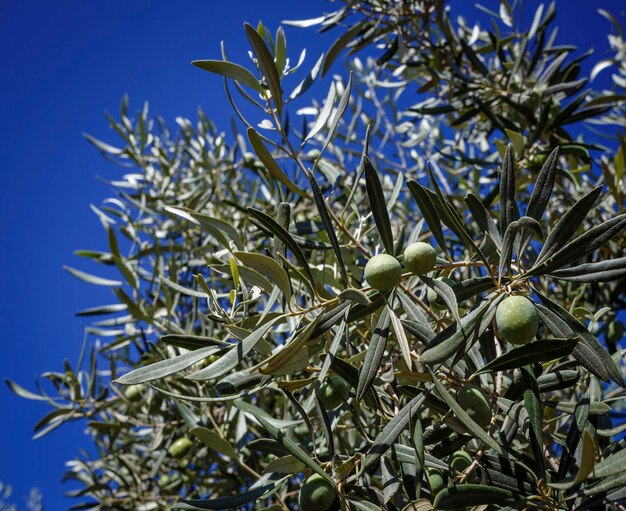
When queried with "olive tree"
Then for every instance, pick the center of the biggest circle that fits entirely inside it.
(374, 299)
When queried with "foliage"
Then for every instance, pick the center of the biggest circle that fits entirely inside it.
(239, 289)
(33, 501)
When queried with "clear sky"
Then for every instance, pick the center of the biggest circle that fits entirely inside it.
(62, 65)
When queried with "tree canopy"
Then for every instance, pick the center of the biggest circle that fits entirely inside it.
(261, 354)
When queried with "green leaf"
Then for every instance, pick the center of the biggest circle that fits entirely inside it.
(324, 114)
(268, 68)
(261, 489)
(182, 289)
(539, 351)
(214, 441)
(567, 225)
(446, 293)
(277, 363)
(166, 367)
(532, 404)
(338, 46)
(585, 464)
(449, 341)
(286, 238)
(483, 219)
(230, 70)
(269, 268)
(91, 279)
(464, 495)
(328, 225)
(403, 342)
(270, 164)
(517, 139)
(119, 260)
(374, 355)
(341, 108)
(392, 430)
(513, 229)
(426, 207)
(589, 353)
(354, 295)
(378, 205)
(234, 355)
(508, 206)
(20, 391)
(292, 446)
(610, 466)
(601, 271)
(462, 415)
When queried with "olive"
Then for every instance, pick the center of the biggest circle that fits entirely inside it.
(334, 391)
(383, 272)
(476, 404)
(317, 494)
(419, 258)
(179, 447)
(517, 320)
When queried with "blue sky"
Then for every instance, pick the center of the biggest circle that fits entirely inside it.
(63, 65)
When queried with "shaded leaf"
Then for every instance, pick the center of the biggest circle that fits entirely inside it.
(378, 205)
(230, 70)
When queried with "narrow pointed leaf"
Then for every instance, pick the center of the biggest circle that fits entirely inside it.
(230, 70)
(164, 368)
(508, 206)
(428, 211)
(393, 429)
(568, 224)
(378, 205)
(266, 63)
(269, 268)
(374, 355)
(539, 351)
(462, 415)
(464, 495)
(292, 446)
(270, 164)
(234, 355)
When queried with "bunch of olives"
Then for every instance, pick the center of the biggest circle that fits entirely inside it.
(383, 272)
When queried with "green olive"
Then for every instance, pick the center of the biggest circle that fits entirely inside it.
(179, 447)
(435, 480)
(460, 461)
(317, 494)
(419, 258)
(435, 302)
(334, 391)
(383, 272)
(476, 404)
(517, 320)
(134, 392)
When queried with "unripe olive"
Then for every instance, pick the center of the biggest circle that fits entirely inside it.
(383, 272)
(133, 392)
(435, 302)
(419, 258)
(517, 320)
(614, 332)
(536, 160)
(317, 494)
(334, 391)
(179, 447)
(435, 480)
(476, 404)
(460, 461)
